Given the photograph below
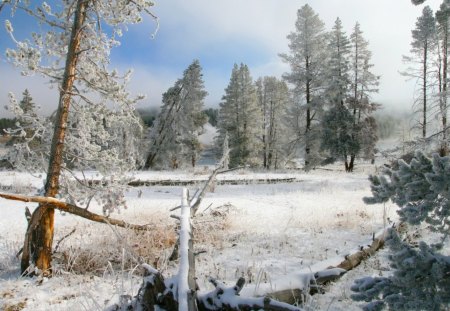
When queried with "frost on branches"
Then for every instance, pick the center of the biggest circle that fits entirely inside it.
(421, 280)
(102, 129)
(174, 136)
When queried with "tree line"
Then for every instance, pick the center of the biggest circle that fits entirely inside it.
(322, 105)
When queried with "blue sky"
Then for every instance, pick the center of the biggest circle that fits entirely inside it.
(222, 32)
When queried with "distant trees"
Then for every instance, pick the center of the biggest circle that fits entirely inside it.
(174, 135)
(239, 118)
(273, 99)
(332, 79)
(213, 116)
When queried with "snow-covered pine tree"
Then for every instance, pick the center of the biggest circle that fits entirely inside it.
(423, 48)
(307, 56)
(273, 100)
(174, 136)
(72, 50)
(443, 34)
(363, 84)
(25, 119)
(338, 123)
(239, 117)
(421, 274)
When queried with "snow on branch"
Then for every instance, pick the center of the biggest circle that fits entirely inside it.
(73, 209)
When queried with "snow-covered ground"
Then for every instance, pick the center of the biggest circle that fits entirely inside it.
(265, 233)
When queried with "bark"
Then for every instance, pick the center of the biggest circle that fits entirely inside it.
(444, 145)
(169, 182)
(308, 116)
(39, 236)
(424, 90)
(351, 165)
(72, 209)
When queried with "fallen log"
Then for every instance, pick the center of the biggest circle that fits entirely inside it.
(182, 183)
(353, 260)
(73, 209)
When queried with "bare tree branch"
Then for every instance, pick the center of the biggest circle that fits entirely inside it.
(73, 209)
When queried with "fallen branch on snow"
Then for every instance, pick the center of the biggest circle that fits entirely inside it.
(73, 209)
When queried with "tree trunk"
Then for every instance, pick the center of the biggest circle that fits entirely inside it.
(308, 117)
(39, 236)
(444, 145)
(425, 58)
(351, 164)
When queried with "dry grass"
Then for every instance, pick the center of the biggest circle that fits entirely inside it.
(88, 251)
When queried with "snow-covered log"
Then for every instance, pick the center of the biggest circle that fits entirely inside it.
(228, 298)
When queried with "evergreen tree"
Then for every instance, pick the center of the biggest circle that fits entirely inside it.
(174, 137)
(420, 280)
(363, 83)
(273, 100)
(443, 20)
(307, 55)
(339, 127)
(213, 115)
(422, 48)
(239, 117)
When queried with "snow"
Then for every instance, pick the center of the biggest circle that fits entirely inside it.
(185, 232)
(274, 235)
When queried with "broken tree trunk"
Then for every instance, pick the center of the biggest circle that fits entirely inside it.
(186, 274)
(37, 249)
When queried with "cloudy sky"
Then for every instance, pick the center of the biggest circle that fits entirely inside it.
(222, 32)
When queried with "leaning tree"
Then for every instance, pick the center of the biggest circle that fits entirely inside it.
(72, 51)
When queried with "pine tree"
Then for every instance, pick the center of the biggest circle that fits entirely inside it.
(174, 137)
(420, 280)
(306, 58)
(74, 55)
(239, 117)
(363, 84)
(443, 33)
(339, 129)
(273, 100)
(422, 48)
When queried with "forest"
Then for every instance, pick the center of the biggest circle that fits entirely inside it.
(295, 192)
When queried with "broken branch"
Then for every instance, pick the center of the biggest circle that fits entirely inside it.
(73, 209)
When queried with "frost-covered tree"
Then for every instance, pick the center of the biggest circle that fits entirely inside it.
(307, 45)
(443, 33)
(25, 119)
(174, 137)
(363, 84)
(338, 123)
(72, 48)
(239, 118)
(421, 274)
(273, 100)
(423, 46)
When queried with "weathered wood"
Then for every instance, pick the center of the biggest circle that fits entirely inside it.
(227, 298)
(154, 292)
(72, 209)
(182, 183)
(37, 248)
(353, 260)
(186, 273)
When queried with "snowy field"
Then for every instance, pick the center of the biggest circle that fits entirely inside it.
(259, 231)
